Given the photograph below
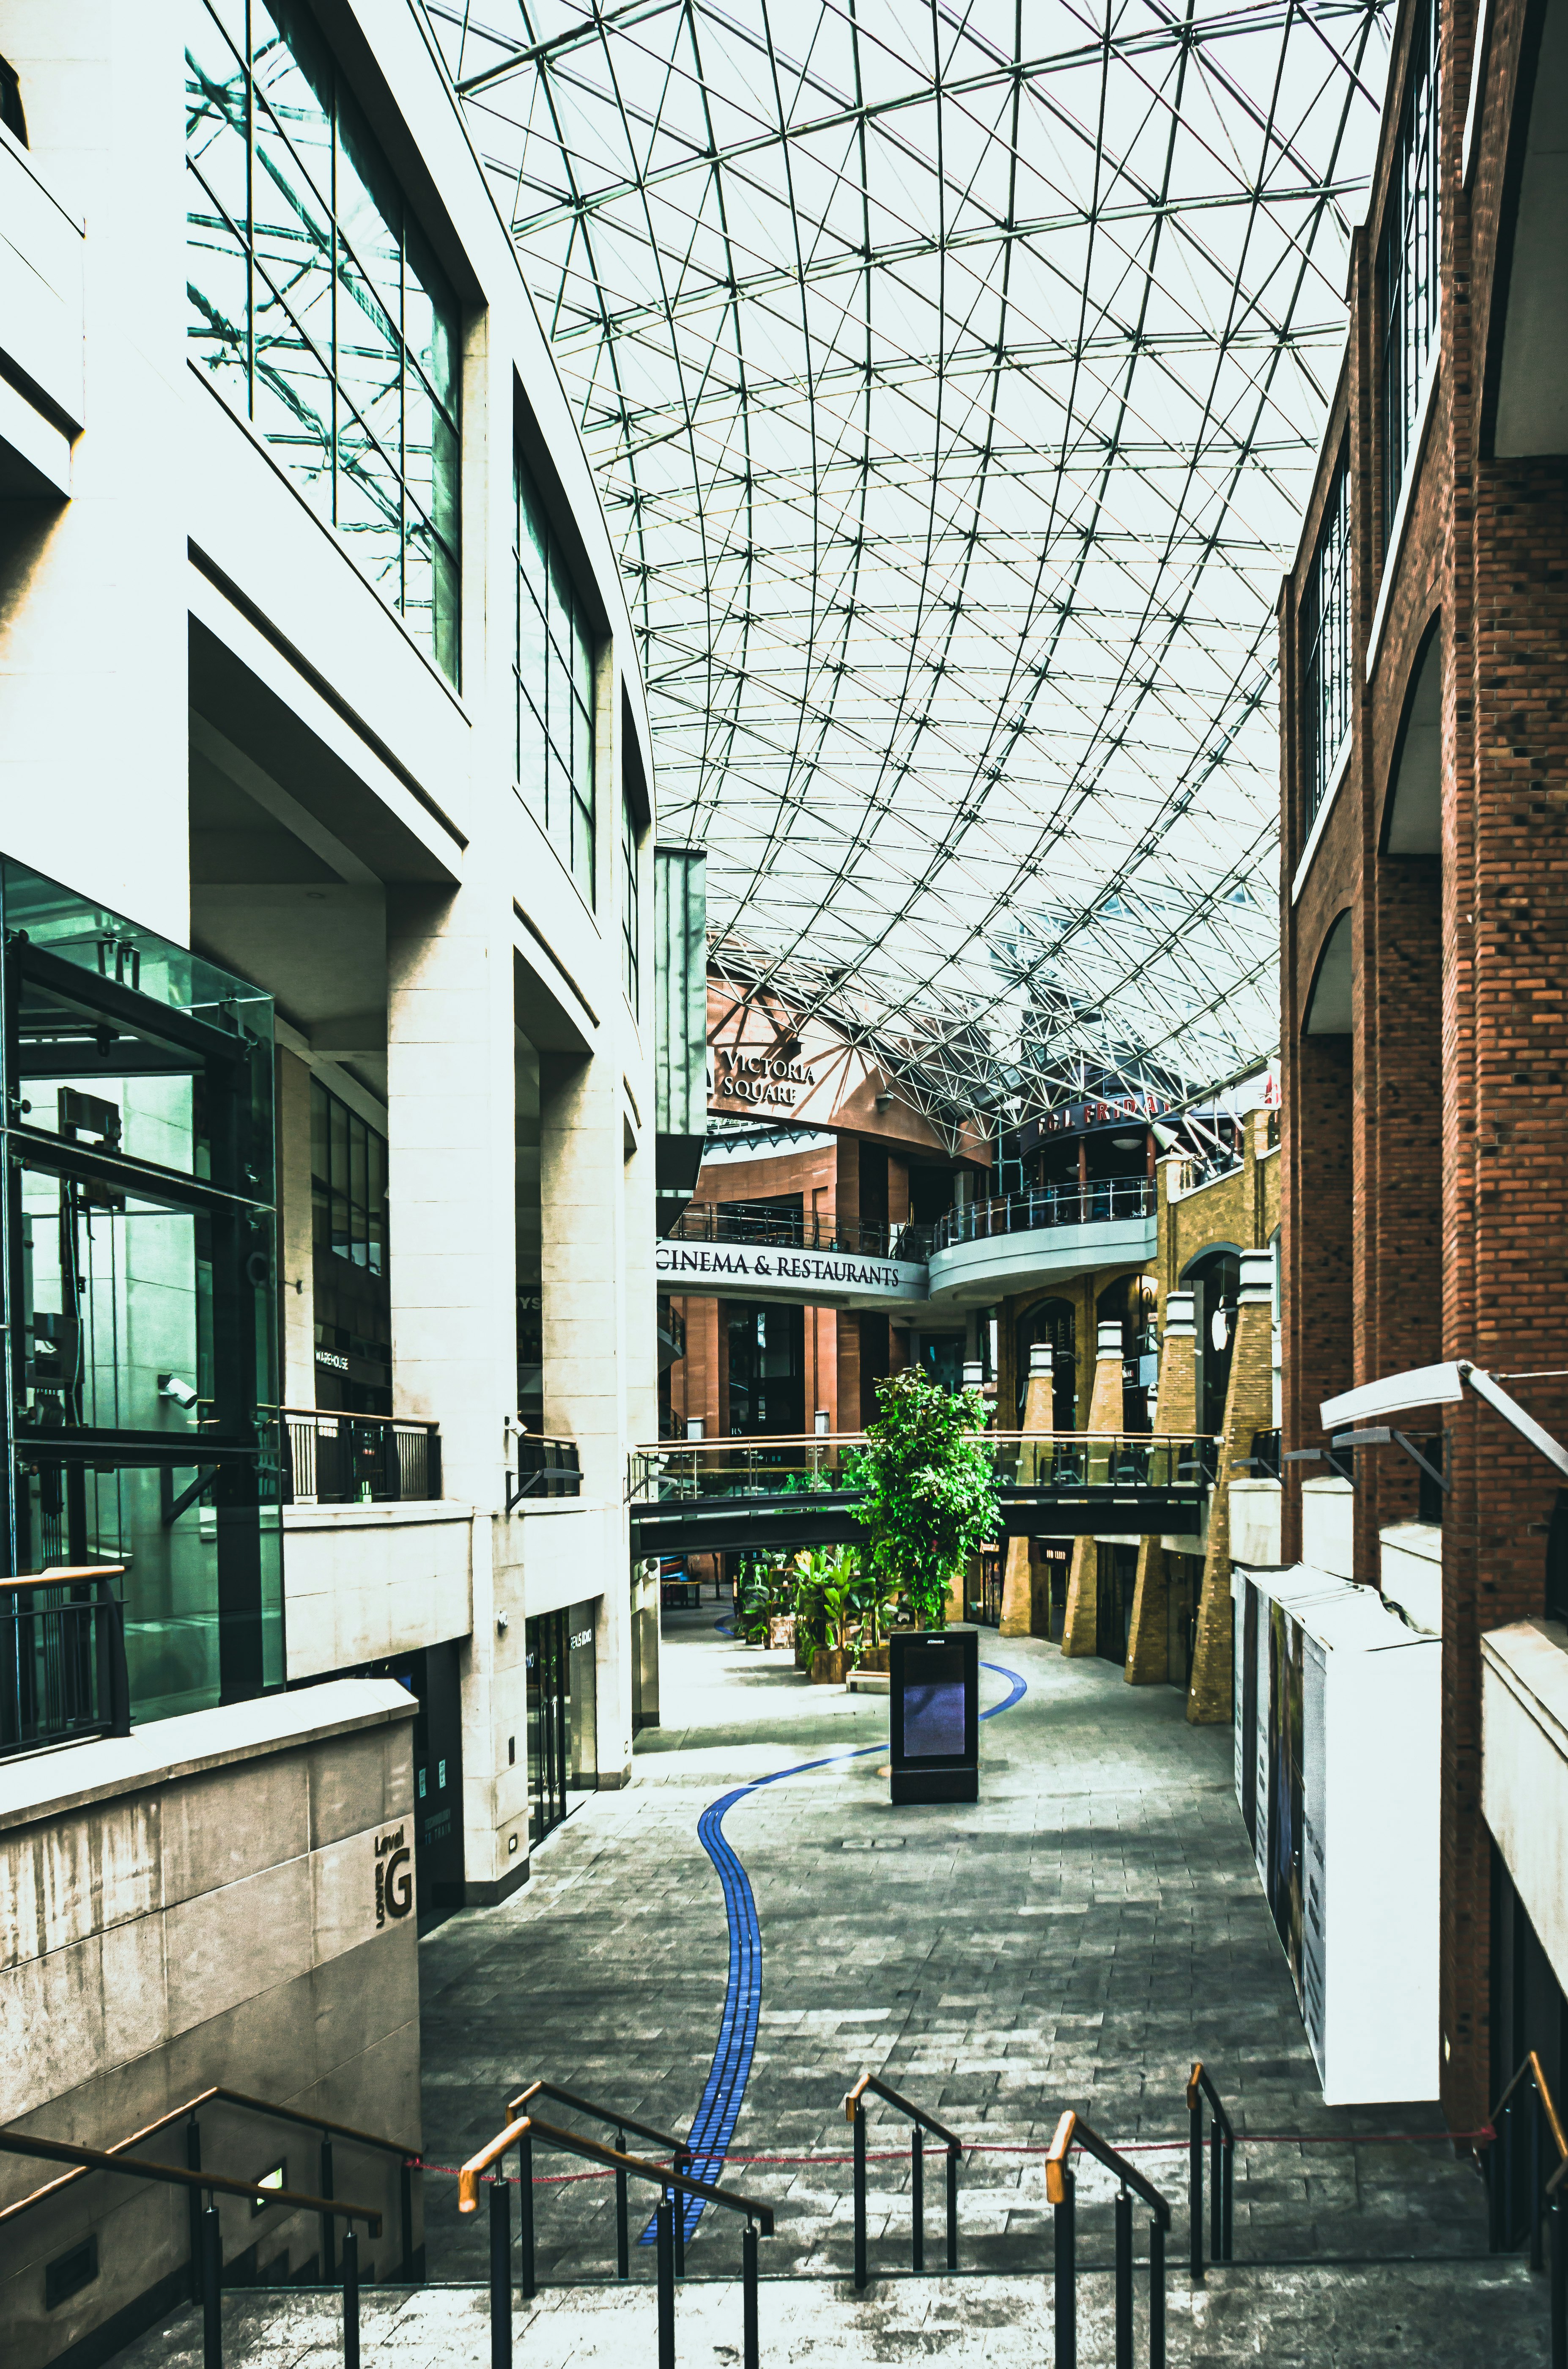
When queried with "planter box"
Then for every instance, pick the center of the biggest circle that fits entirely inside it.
(781, 1632)
(875, 1658)
(828, 1666)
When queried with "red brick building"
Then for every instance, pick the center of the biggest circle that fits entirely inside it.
(1423, 636)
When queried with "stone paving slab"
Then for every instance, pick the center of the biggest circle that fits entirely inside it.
(1441, 2315)
(1074, 1938)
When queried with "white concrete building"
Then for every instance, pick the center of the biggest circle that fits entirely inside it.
(313, 660)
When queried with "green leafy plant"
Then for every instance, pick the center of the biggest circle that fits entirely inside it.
(932, 1498)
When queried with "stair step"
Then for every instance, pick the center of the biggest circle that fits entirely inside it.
(1445, 2315)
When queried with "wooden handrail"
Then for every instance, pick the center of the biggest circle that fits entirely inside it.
(65, 1575)
(1072, 2132)
(609, 2159)
(174, 2175)
(1197, 2079)
(192, 2105)
(953, 2144)
(586, 2106)
(857, 1439)
(1532, 2066)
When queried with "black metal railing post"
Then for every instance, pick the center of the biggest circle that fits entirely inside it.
(406, 2215)
(1498, 2166)
(212, 2288)
(751, 2351)
(860, 2272)
(682, 2163)
(525, 2216)
(1065, 2267)
(193, 2204)
(622, 2221)
(501, 2274)
(917, 2197)
(328, 2230)
(664, 2220)
(951, 2209)
(1195, 2184)
(350, 2297)
(1537, 2257)
(1156, 2293)
(1228, 2218)
(1216, 2192)
(1557, 2264)
(1124, 2280)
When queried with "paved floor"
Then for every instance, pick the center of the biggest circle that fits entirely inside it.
(1075, 1938)
(1439, 2316)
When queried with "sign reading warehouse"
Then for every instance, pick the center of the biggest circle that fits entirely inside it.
(738, 1270)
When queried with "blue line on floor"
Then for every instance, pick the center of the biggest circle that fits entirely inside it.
(714, 2124)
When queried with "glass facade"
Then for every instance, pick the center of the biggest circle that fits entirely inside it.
(1409, 254)
(554, 688)
(561, 1718)
(351, 1275)
(1326, 634)
(314, 305)
(140, 1290)
(529, 1237)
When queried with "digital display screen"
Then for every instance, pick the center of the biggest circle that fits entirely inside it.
(933, 1718)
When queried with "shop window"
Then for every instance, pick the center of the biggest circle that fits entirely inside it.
(1052, 1320)
(139, 1290)
(530, 1237)
(1409, 254)
(1325, 639)
(767, 1366)
(316, 307)
(353, 1295)
(562, 1715)
(554, 689)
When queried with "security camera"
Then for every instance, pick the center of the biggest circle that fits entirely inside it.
(170, 1386)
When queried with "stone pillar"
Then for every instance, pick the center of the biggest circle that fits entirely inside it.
(1146, 1638)
(1017, 1583)
(1247, 1405)
(1079, 1632)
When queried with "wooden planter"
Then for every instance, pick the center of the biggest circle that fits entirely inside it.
(874, 1658)
(828, 1666)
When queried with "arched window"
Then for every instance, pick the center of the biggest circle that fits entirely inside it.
(1215, 1280)
(1052, 1320)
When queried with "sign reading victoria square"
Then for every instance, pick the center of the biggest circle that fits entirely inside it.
(758, 1271)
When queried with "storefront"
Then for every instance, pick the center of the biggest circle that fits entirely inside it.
(432, 1679)
(563, 1755)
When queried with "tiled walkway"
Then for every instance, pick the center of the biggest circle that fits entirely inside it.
(1075, 1938)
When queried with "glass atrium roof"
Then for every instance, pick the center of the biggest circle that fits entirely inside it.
(954, 376)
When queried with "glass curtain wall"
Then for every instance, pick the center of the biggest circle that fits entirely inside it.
(140, 1290)
(562, 1715)
(554, 688)
(1326, 630)
(316, 307)
(630, 914)
(352, 1285)
(530, 1237)
(1410, 250)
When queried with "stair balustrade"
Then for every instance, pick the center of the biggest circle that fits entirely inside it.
(919, 2122)
(1061, 2195)
(1543, 2209)
(1221, 2172)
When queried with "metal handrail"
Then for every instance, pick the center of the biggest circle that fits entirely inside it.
(1061, 2194)
(1221, 2172)
(206, 2248)
(217, 2094)
(921, 2122)
(1038, 1208)
(521, 2133)
(1546, 2193)
(678, 2149)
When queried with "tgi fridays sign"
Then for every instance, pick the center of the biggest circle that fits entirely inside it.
(1077, 1118)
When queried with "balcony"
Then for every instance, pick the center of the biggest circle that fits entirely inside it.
(375, 1562)
(359, 1459)
(982, 1248)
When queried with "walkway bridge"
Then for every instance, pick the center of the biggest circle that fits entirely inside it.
(732, 1495)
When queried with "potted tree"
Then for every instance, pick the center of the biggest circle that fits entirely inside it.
(932, 1498)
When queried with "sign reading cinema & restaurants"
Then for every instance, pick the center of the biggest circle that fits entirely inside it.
(760, 1271)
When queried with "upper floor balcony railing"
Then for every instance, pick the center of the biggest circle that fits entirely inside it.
(63, 1669)
(793, 1230)
(813, 1464)
(359, 1459)
(547, 1467)
(1045, 1205)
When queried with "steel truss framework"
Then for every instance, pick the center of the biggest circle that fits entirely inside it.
(955, 375)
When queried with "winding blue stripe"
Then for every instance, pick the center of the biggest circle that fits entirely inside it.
(713, 2125)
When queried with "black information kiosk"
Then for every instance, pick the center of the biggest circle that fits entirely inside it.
(933, 1716)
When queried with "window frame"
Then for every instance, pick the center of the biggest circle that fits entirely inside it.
(631, 909)
(1409, 261)
(564, 799)
(1326, 630)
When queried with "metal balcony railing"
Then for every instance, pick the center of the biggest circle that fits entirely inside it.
(546, 1468)
(789, 1230)
(359, 1459)
(63, 1671)
(1045, 1205)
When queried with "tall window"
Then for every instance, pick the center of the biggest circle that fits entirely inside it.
(554, 688)
(631, 911)
(348, 1163)
(1325, 655)
(315, 306)
(1410, 251)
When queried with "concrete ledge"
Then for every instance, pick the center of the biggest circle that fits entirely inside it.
(1410, 1572)
(83, 1774)
(412, 1512)
(1524, 1769)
